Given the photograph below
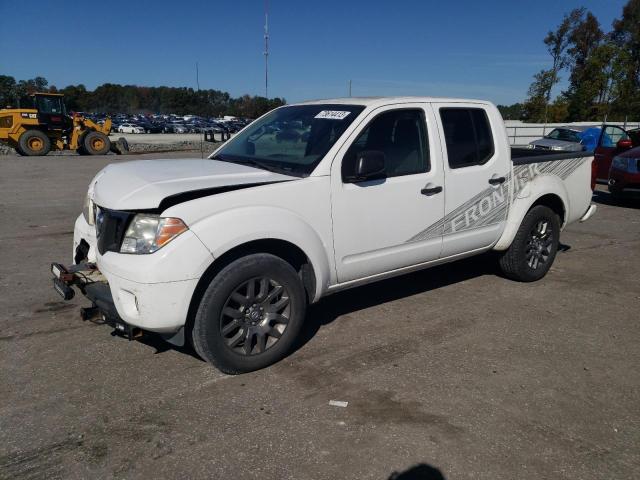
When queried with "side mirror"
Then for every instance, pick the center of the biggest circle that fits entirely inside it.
(624, 144)
(369, 165)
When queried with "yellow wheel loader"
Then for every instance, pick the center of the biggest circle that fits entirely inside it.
(47, 126)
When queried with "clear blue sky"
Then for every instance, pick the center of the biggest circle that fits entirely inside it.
(472, 48)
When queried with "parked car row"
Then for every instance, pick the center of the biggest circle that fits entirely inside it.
(123, 123)
(616, 153)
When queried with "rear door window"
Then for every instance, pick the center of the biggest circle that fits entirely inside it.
(467, 135)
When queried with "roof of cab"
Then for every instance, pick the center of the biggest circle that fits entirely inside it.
(379, 101)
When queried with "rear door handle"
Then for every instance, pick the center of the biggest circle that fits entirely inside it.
(428, 191)
(497, 180)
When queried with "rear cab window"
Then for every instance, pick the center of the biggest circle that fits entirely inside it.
(468, 136)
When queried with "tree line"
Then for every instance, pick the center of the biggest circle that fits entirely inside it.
(602, 69)
(113, 98)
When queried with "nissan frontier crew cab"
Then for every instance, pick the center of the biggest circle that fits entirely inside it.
(311, 199)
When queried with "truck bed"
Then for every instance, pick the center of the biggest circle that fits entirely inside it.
(523, 156)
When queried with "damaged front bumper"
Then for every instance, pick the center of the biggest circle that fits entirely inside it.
(88, 279)
(92, 284)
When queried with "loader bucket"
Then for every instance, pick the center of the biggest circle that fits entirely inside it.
(120, 146)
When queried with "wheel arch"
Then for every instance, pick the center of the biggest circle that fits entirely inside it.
(521, 206)
(283, 249)
(555, 203)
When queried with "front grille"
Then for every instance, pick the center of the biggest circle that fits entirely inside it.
(111, 226)
(541, 147)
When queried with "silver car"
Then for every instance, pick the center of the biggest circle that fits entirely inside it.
(563, 139)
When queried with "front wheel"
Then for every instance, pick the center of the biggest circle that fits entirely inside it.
(96, 143)
(534, 247)
(250, 315)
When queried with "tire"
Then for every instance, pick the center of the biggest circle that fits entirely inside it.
(271, 312)
(81, 150)
(33, 143)
(534, 247)
(96, 143)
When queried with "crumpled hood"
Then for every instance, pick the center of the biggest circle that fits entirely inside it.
(143, 184)
(550, 142)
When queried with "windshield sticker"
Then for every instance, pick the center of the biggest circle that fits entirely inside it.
(333, 114)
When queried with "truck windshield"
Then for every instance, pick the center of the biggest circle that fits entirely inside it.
(291, 140)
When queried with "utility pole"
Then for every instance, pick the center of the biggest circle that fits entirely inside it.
(349, 88)
(266, 48)
(198, 87)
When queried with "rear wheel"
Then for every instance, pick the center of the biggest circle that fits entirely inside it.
(250, 315)
(96, 143)
(34, 143)
(534, 247)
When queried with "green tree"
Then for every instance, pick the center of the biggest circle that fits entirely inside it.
(7, 91)
(626, 35)
(585, 79)
(75, 97)
(535, 108)
(113, 98)
(557, 42)
(511, 112)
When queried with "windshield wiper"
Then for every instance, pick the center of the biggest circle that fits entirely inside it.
(255, 163)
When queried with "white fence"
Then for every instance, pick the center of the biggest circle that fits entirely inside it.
(522, 133)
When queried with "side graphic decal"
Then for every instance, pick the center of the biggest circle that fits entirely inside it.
(490, 205)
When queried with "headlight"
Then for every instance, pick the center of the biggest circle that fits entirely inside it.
(88, 211)
(148, 233)
(531, 145)
(557, 147)
(625, 164)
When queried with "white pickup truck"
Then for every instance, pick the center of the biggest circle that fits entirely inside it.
(310, 199)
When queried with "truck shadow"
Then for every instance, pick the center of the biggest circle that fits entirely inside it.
(422, 471)
(605, 198)
(360, 298)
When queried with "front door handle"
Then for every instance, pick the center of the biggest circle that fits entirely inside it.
(428, 191)
(497, 180)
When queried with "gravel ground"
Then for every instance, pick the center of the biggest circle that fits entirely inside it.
(452, 372)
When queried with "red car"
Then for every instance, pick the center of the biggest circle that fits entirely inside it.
(624, 176)
(613, 141)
